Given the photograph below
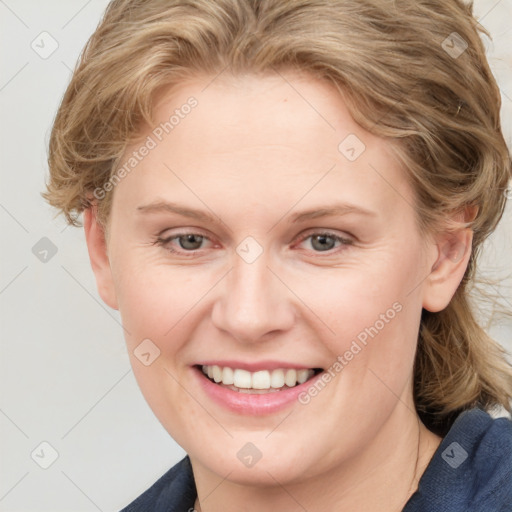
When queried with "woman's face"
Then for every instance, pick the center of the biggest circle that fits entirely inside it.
(302, 253)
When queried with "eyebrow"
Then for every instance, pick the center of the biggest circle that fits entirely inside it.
(165, 206)
(313, 213)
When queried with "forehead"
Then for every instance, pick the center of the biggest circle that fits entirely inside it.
(293, 110)
(262, 140)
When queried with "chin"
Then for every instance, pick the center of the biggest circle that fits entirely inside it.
(277, 468)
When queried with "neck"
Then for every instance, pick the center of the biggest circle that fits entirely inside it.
(382, 477)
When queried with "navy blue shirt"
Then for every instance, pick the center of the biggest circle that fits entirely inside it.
(471, 471)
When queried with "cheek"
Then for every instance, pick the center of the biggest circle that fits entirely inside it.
(153, 298)
(358, 303)
(370, 316)
(156, 308)
(377, 337)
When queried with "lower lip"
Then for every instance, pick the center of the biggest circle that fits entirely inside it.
(246, 403)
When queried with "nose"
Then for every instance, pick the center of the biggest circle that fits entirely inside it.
(254, 304)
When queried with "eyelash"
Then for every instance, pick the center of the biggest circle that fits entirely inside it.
(163, 242)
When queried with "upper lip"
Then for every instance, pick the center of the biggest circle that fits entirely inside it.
(254, 366)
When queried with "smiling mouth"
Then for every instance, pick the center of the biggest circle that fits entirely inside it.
(260, 382)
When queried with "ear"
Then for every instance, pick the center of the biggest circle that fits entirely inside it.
(452, 252)
(97, 247)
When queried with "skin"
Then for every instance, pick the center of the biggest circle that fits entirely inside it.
(254, 152)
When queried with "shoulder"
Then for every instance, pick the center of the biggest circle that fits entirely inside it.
(472, 468)
(174, 491)
(491, 460)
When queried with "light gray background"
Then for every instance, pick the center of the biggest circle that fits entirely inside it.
(65, 377)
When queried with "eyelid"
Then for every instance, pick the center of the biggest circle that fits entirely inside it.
(311, 231)
(344, 242)
(326, 232)
(187, 230)
(164, 240)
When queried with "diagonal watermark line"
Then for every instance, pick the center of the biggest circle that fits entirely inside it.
(13, 279)
(67, 67)
(215, 488)
(297, 92)
(3, 3)
(82, 82)
(506, 96)
(301, 301)
(305, 194)
(287, 492)
(394, 394)
(422, 281)
(214, 78)
(503, 33)
(503, 297)
(198, 197)
(76, 14)
(97, 402)
(14, 218)
(392, 187)
(489, 11)
(88, 497)
(198, 301)
(436, 265)
(196, 400)
(14, 76)
(14, 423)
(14, 485)
(279, 424)
(397, 101)
(94, 298)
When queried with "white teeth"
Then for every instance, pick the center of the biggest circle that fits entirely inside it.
(302, 376)
(261, 380)
(227, 375)
(246, 381)
(290, 378)
(217, 374)
(277, 379)
(242, 379)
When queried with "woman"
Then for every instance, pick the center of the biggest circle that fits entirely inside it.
(285, 201)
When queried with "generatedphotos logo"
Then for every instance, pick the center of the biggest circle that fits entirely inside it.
(151, 142)
(357, 345)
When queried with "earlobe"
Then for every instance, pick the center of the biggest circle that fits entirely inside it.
(453, 253)
(98, 255)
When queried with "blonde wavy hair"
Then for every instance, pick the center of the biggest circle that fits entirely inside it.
(390, 61)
